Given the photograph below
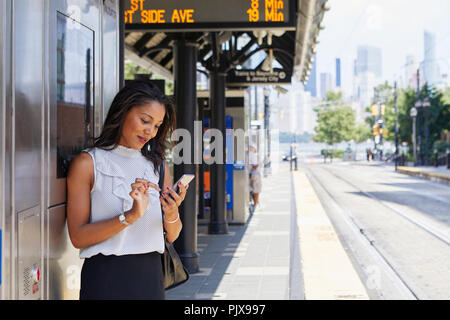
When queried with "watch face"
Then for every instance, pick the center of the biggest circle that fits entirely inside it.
(123, 220)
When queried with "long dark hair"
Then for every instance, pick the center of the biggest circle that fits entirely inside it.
(138, 93)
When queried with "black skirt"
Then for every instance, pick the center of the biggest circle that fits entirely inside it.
(128, 277)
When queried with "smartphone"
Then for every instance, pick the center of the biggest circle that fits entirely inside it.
(185, 180)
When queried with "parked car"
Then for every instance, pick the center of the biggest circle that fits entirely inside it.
(287, 157)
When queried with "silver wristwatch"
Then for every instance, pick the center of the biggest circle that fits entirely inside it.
(123, 220)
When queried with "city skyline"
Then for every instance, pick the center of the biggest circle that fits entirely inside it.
(386, 25)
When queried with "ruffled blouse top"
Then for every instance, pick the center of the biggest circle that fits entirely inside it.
(115, 171)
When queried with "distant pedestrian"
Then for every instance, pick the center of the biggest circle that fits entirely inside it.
(369, 155)
(255, 175)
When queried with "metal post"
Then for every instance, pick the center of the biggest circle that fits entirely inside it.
(436, 158)
(413, 114)
(87, 118)
(185, 74)
(425, 109)
(201, 168)
(396, 123)
(291, 152)
(414, 140)
(256, 102)
(267, 131)
(218, 219)
(419, 120)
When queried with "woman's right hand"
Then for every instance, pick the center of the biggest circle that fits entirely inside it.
(139, 193)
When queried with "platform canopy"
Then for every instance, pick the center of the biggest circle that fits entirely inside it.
(286, 30)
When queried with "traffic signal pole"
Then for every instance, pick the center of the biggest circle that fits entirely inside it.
(396, 123)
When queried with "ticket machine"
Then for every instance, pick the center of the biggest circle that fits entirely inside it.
(236, 150)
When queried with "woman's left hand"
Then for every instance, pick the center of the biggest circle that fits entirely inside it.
(182, 193)
(171, 200)
(178, 197)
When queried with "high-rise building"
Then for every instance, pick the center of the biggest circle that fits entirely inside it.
(326, 84)
(355, 67)
(338, 72)
(445, 80)
(311, 86)
(430, 66)
(296, 110)
(411, 67)
(366, 85)
(369, 60)
(307, 117)
(367, 75)
(355, 80)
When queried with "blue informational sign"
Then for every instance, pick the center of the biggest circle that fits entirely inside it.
(229, 164)
(239, 165)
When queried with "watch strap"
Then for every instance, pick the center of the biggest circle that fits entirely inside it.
(123, 219)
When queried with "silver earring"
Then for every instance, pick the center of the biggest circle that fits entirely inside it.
(149, 148)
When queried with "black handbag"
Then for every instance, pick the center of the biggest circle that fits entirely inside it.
(174, 271)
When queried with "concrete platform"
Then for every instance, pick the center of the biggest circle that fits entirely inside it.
(286, 250)
(252, 261)
(328, 273)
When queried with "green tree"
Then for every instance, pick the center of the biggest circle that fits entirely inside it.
(131, 69)
(335, 121)
(384, 94)
(361, 133)
(334, 98)
(406, 100)
(446, 96)
(438, 115)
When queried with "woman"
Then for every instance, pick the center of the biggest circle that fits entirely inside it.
(255, 176)
(114, 205)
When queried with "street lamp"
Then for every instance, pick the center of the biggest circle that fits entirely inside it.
(425, 104)
(413, 114)
(396, 123)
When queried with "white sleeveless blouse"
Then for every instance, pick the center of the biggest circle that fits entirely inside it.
(115, 171)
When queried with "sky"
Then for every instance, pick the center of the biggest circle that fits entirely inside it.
(395, 26)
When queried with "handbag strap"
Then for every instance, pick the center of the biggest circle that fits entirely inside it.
(161, 181)
(161, 175)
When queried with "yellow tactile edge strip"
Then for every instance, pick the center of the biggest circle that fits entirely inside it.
(328, 273)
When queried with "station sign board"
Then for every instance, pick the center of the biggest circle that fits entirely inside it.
(209, 15)
(245, 77)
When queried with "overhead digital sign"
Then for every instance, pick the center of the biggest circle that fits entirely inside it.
(209, 15)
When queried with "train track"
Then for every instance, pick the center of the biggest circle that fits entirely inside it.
(384, 262)
(421, 224)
